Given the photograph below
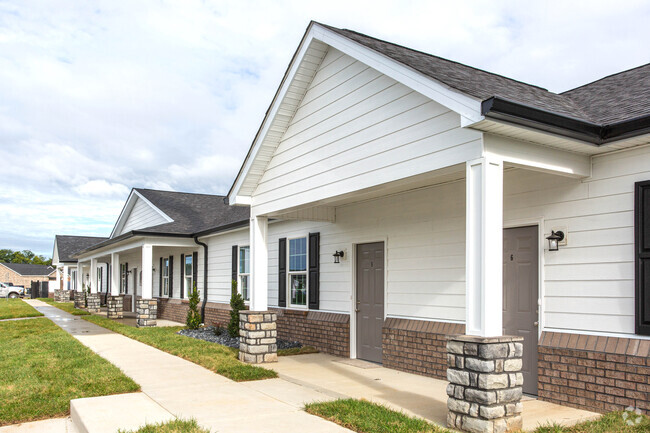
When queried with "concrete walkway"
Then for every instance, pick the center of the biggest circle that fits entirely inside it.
(187, 390)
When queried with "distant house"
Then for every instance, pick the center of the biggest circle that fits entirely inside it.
(22, 274)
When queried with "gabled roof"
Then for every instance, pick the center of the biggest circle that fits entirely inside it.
(67, 246)
(29, 270)
(191, 215)
(611, 109)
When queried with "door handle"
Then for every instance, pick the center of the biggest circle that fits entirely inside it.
(356, 310)
(535, 323)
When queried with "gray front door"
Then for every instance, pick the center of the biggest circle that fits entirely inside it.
(370, 300)
(520, 293)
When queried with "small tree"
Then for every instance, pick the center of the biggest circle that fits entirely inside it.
(193, 317)
(236, 305)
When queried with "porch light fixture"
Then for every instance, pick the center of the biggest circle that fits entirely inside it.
(554, 240)
(337, 256)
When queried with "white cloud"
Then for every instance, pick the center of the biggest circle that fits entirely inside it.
(98, 97)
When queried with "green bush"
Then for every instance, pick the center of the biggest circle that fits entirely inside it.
(236, 305)
(193, 317)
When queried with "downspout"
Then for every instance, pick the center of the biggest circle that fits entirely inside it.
(205, 276)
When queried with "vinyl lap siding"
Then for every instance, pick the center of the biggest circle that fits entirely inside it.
(589, 284)
(141, 216)
(220, 263)
(357, 128)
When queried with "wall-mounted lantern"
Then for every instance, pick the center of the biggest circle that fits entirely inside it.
(337, 256)
(554, 240)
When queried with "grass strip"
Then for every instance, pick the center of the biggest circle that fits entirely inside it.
(215, 357)
(176, 426)
(68, 307)
(43, 368)
(365, 417)
(16, 308)
(304, 350)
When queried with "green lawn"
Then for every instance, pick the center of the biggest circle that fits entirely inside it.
(43, 368)
(68, 307)
(16, 308)
(176, 426)
(215, 357)
(365, 417)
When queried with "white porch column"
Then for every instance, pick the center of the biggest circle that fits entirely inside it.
(93, 276)
(58, 278)
(115, 274)
(259, 264)
(66, 278)
(484, 248)
(80, 273)
(147, 273)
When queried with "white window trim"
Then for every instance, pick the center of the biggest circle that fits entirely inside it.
(305, 272)
(239, 274)
(165, 277)
(187, 290)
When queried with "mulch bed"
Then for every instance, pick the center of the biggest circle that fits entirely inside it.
(208, 334)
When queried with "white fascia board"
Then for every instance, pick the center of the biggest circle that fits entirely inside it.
(240, 200)
(126, 211)
(469, 108)
(537, 157)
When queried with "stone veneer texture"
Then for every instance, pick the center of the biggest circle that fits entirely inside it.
(485, 383)
(146, 310)
(115, 307)
(93, 302)
(258, 337)
(62, 296)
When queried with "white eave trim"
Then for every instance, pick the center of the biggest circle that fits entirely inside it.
(467, 107)
(126, 211)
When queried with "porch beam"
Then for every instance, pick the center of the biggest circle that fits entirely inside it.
(484, 247)
(259, 263)
(93, 275)
(115, 274)
(147, 271)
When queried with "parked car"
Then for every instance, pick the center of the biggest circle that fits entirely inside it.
(9, 291)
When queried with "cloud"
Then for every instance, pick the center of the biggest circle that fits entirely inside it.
(99, 97)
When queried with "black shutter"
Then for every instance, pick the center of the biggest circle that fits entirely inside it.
(126, 278)
(171, 276)
(182, 276)
(160, 279)
(642, 248)
(195, 269)
(235, 262)
(314, 270)
(282, 273)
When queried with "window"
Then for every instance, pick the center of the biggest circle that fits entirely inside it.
(74, 280)
(244, 272)
(298, 272)
(123, 276)
(165, 277)
(188, 273)
(100, 278)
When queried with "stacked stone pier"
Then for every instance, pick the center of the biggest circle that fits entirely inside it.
(93, 301)
(485, 383)
(258, 337)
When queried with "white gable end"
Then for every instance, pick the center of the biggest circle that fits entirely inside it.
(138, 213)
(357, 128)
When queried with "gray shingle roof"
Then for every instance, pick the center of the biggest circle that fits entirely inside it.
(68, 246)
(616, 98)
(192, 213)
(26, 269)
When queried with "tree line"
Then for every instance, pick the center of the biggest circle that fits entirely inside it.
(24, 256)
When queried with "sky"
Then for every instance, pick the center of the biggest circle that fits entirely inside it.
(98, 97)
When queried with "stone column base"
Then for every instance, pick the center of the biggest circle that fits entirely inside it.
(147, 311)
(79, 300)
(93, 301)
(257, 337)
(61, 296)
(485, 383)
(115, 307)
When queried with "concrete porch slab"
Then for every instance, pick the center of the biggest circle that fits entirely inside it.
(127, 411)
(420, 396)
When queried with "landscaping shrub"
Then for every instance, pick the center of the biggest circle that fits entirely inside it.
(236, 305)
(193, 320)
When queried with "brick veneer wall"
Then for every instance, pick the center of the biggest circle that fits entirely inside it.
(327, 332)
(417, 346)
(595, 373)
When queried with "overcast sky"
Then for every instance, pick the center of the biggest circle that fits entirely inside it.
(97, 97)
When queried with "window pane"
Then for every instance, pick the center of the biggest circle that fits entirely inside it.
(244, 260)
(298, 254)
(188, 265)
(188, 285)
(244, 287)
(298, 284)
(165, 267)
